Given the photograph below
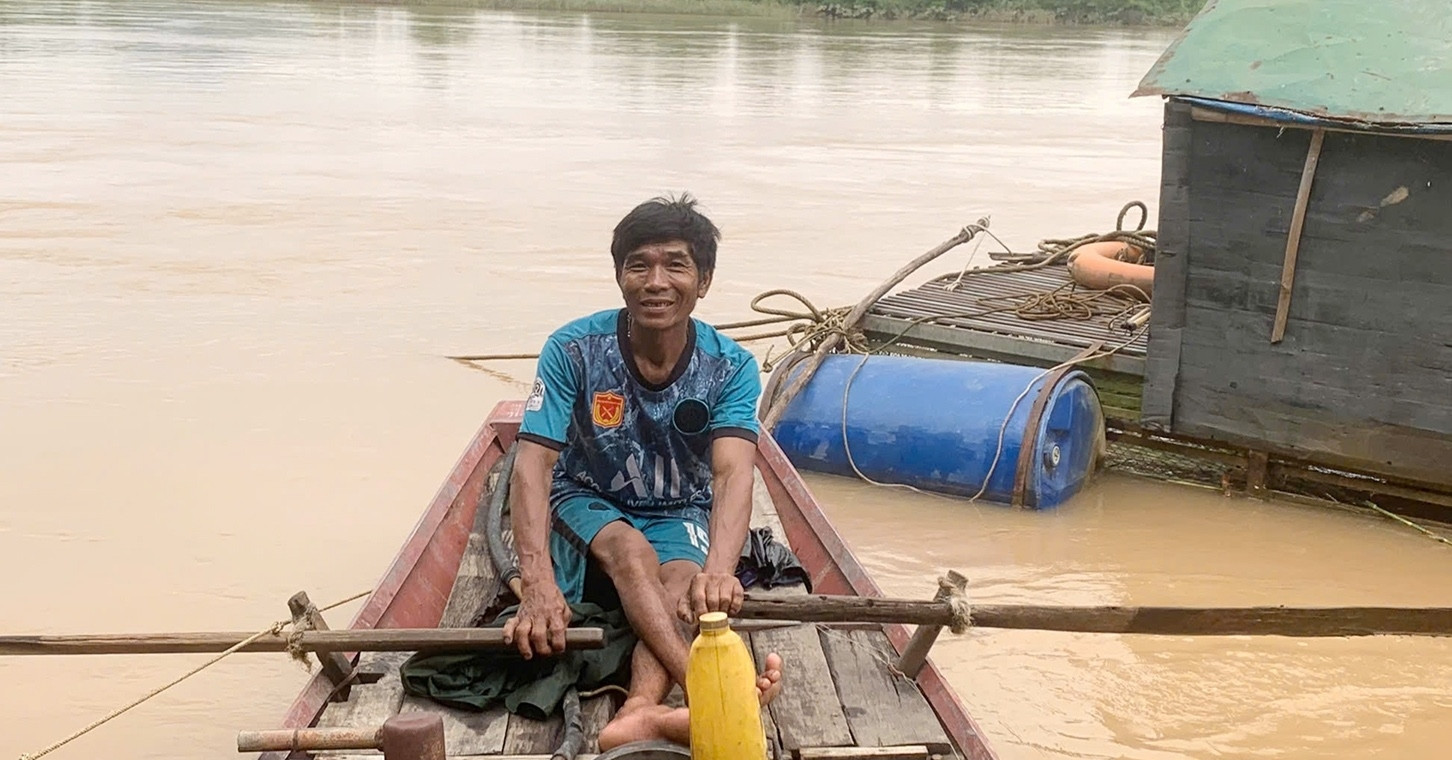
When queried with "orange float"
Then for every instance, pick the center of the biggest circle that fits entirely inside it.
(1101, 266)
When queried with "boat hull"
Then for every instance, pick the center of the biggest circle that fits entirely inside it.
(414, 590)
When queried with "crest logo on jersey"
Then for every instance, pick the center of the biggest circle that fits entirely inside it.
(535, 402)
(608, 409)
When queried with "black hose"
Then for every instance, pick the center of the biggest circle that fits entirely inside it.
(574, 737)
(507, 568)
(505, 564)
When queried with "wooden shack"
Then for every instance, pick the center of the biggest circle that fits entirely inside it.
(1303, 284)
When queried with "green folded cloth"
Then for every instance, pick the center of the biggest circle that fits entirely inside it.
(529, 688)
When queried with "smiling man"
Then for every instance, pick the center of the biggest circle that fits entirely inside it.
(635, 457)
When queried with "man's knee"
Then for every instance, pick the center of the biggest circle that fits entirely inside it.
(624, 553)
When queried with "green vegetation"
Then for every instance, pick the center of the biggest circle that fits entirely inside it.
(1121, 12)
(1125, 12)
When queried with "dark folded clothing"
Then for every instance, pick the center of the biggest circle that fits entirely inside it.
(767, 563)
(535, 688)
(530, 688)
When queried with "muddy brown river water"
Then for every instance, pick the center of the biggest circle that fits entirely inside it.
(237, 238)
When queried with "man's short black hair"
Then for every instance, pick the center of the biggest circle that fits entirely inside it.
(663, 219)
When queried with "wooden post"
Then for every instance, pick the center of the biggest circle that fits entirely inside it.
(915, 654)
(305, 617)
(1256, 466)
(413, 736)
(1293, 240)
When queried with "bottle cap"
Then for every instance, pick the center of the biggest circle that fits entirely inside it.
(713, 621)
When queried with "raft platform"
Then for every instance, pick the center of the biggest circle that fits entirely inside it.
(943, 318)
(946, 315)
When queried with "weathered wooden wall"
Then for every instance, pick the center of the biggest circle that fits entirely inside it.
(1363, 377)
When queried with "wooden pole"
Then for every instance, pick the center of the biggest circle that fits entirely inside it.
(403, 736)
(360, 640)
(809, 608)
(1172, 621)
(310, 739)
(306, 617)
(915, 654)
(777, 407)
(1293, 239)
(1223, 621)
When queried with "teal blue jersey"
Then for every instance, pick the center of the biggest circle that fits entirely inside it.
(644, 447)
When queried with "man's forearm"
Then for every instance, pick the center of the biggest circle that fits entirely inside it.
(529, 516)
(730, 521)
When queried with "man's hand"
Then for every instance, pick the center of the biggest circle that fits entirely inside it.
(711, 592)
(539, 626)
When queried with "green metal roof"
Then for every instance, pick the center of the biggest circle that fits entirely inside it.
(1377, 61)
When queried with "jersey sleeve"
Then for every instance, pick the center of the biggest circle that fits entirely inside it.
(735, 411)
(551, 400)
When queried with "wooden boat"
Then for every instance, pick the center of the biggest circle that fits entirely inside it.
(839, 692)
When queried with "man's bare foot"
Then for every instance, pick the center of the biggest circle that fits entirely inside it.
(638, 720)
(768, 686)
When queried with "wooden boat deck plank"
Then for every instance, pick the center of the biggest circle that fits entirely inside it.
(763, 511)
(807, 713)
(527, 736)
(369, 704)
(468, 732)
(883, 707)
(595, 712)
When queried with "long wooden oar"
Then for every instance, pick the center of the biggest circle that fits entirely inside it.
(362, 640)
(1171, 621)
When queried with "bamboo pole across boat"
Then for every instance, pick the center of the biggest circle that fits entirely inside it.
(1171, 621)
(359, 640)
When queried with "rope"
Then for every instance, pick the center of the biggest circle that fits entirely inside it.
(1067, 302)
(1052, 251)
(958, 603)
(834, 333)
(1410, 524)
(272, 630)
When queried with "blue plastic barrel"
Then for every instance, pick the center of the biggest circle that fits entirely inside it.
(934, 424)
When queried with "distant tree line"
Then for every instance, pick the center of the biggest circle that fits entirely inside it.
(1042, 11)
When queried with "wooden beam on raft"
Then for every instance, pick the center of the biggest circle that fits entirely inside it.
(353, 640)
(1293, 239)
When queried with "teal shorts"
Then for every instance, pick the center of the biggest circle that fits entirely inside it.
(576, 520)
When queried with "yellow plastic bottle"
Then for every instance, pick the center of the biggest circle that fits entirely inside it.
(721, 693)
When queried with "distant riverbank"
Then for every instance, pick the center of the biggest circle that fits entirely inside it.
(1086, 12)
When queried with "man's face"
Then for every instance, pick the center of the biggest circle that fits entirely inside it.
(661, 284)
